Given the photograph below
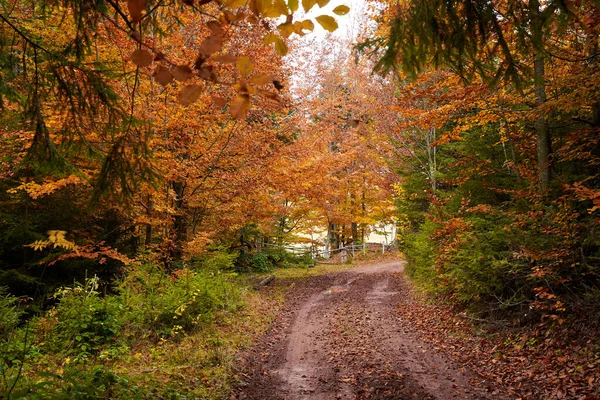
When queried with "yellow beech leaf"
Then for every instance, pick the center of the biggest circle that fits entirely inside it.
(280, 47)
(322, 3)
(244, 65)
(135, 8)
(327, 22)
(280, 7)
(286, 30)
(308, 4)
(163, 76)
(240, 106)
(341, 10)
(235, 3)
(308, 25)
(142, 58)
(270, 38)
(293, 5)
(189, 94)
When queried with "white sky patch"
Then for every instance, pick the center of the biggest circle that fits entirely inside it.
(320, 47)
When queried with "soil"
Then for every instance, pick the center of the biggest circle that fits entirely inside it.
(340, 336)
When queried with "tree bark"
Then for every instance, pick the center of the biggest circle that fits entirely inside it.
(180, 222)
(148, 240)
(542, 128)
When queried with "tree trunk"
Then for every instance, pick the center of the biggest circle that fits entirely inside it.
(180, 222)
(148, 240)
(542, 128)
(333, 237)
(355, 238)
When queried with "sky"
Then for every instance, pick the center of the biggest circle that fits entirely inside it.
(335, 46)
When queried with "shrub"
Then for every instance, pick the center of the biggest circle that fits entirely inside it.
(10, 313)
(260, 262)
(83, 320)
(174, 303)
(77, 383)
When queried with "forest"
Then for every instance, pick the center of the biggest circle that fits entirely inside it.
(160, 157)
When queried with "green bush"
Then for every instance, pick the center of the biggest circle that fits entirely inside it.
(10, 313)
(260, 262)
(84, 321)
(77, 383)
(420, 251)
(282, 258)
(168, 304)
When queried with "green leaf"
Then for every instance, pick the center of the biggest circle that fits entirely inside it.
(341, 10)
(327, 22)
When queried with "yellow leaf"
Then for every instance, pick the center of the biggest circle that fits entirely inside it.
(270, 38)
(280, 47)
(240, 106)
(142, 58)
(189, 94)
(322, 3)
(293, 5)
(286, 29)
(341, 10)
(308, 4)
(244, 65)
(327, 22)
(308, 25)
(235, 3)
(280, 7)
(272, 8)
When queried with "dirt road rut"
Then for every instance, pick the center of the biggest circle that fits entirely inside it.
(340, 337)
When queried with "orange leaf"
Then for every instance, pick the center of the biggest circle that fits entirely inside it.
(261, 79)
(218, 100)
(163, 76)
(142, 58)
(182, 73)
(189, 94)
(215, 28)
(240, 106)
(135, 8)
(270, 95)
(225, 58)
(211, 45)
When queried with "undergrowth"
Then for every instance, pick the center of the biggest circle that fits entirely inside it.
(155, 334)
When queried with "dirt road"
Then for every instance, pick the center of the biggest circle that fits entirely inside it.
(340, 337)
